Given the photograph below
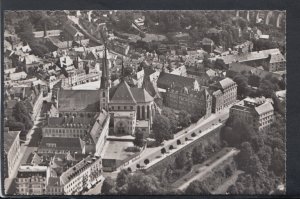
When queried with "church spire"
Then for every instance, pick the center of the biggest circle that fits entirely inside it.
(104, 76)
(123, 76)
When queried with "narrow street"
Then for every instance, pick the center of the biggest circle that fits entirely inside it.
(30, 145)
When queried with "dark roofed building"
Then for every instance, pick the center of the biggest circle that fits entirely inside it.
(78, 102)
(58, 145)
(167, 80)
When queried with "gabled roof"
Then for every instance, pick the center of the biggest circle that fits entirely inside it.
(141, 95)
(78, 100)
(123, 94)
(266, 107)
(167, 80)
(226, 82)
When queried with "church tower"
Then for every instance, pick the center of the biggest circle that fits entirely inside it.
(104, 84)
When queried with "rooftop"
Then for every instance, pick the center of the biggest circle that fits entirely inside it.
(77, 169)
(9, 137)
(78, 100)
(83, 122)
(167, 80)
(60, 143)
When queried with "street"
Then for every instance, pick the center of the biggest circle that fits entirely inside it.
(205, 126)
(30, 145)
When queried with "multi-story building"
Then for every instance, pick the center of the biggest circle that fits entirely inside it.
(78, 177)
(77, 77)
(256, 112)
(224, 94)
(68, 127)
(272, 60)
(31, 180)
(194, 102)
(11, 150)
(56, 145)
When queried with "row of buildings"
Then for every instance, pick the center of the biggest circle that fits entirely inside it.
(65, 175)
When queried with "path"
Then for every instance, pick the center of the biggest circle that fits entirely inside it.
(205, 169)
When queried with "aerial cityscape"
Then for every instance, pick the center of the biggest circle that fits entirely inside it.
(105, 102)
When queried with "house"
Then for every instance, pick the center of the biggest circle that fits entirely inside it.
(224, 94)
(256, 112)
(11, 150)
(31, 180)
(167, 80)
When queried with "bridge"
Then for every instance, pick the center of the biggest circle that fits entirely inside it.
(274, 17)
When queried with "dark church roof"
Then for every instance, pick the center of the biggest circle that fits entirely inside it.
(123, 94)
(78, 100)
(141, 95)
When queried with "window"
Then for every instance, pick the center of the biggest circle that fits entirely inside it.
(103, 94)
(125, 107)
(131, 107)
(119, 107)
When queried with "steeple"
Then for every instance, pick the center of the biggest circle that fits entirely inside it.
(104, 85)
(104, 78)
(123, 76)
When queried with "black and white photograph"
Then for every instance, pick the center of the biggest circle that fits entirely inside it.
(144, 102)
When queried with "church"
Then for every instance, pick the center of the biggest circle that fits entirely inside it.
(129, 108)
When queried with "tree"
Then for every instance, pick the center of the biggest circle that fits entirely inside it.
(21, 114)
(170, 114)
(107, 186)
(197, 188)
(267, 88)
(141, 184)
(180, 161)
(220, 64)
(242, 83)
(128, 71)
(161, 128)
(139, 138)
(244, 155)
(122, 178)
(278, 162)
(254, 80)
(184, 118)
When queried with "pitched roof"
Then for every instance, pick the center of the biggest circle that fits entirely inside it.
(255, 55)
(98, 126)
(226, 82)
(277, 58)
(9, 138)
(141, 95)
(266, 107)
(78, 100)
(165, 80)
(82, 122)
(123, 94)
(72, 143)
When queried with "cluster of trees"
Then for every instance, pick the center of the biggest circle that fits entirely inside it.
(165, 125)
(24, 28)
(262, 155)
(133, 184)
(265, 87)
(20, 119)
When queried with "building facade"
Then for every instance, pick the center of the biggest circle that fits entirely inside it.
(224, 94)
(78, 177)
(194, 102)
(256, 112)
(11, 150)
(31, 180)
